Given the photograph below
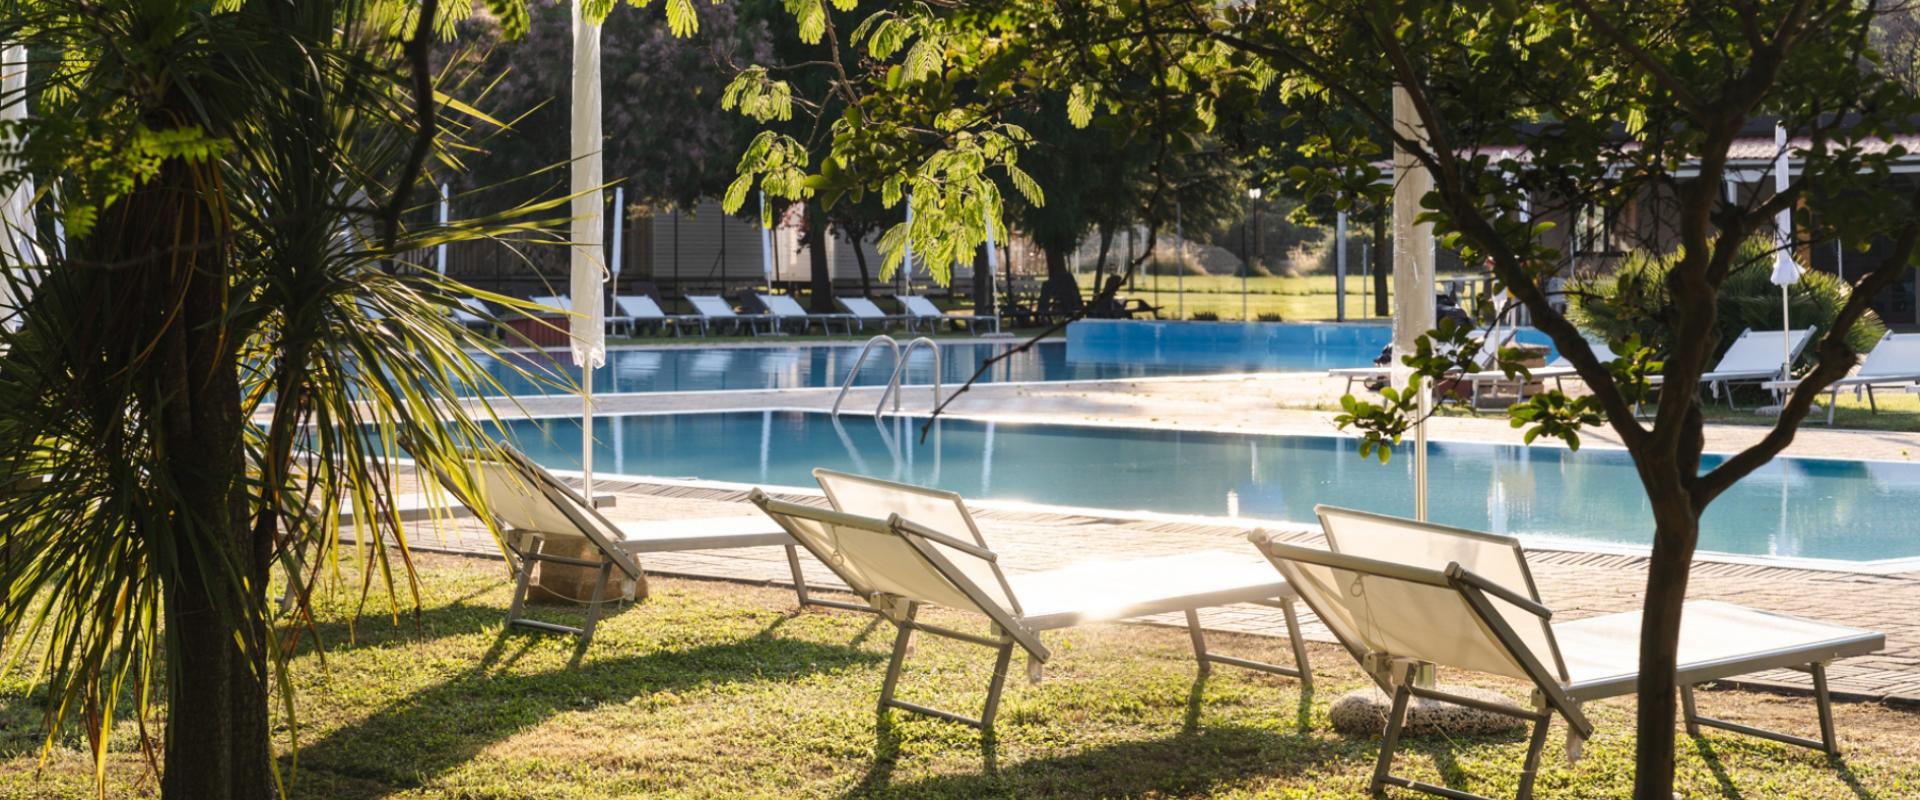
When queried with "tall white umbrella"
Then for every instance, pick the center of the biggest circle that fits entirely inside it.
(619, 234)
(906, 264)
(17, 247)
(440, 250)
(1413, 252)
(586, 325)
(766, 241)
(1786, 271)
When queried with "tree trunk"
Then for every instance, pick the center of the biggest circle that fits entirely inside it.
(1100, 263)
(982, 283)
(860, 258)
(821, 287)
(1677, 530)
(1061, 294)
(167, 330)
(1382, 259)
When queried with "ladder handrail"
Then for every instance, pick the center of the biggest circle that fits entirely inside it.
(900, 368)
(858, 362)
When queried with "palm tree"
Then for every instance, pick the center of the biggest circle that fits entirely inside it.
(230, 344)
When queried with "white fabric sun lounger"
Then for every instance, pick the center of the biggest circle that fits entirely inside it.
(900, 547)
(714, 309)
(557, 301)
(786, 309)
(1894, 362)
(865, 311)
(473, 313)
(921, 310)
(1755, 357)
(634, 311)
(1558, 370)
(1486, 358)
(1406, 597)
(532, 507)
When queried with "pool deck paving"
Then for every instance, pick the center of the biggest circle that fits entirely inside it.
(1574, 583)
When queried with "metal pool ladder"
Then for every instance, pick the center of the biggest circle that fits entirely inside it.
(899, 369)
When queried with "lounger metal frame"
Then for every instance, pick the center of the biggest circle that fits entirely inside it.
(525, 549)
(1010, 628)
(1551, 694)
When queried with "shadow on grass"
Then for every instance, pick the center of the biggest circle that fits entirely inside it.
(438, 728)
(1185, 764)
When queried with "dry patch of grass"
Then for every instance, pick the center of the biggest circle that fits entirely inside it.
(720, 690)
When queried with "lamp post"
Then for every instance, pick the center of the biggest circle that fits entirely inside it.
(1253, 195)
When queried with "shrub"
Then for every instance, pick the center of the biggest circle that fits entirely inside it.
(1206, 316)
(1633, 300)
(1270, 316)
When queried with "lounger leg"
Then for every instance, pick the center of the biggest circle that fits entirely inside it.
(901, 641)
(1205, 660)
(1199, 642)
(520, 582)
(1532, 766)
(1383, 766)
(1871, 406)
(1688, 711)
(799, 581)
(1824, 700)
(1000, 664)
(593, 603)
(806, 595)
(1299, 645)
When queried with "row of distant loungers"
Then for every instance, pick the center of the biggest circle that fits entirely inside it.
(633, 315)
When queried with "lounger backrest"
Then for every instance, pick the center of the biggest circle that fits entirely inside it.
(640, 307)
(781, 305)
(920, 306)
(862, 307)
(1432, 547)
(1381, 608)
(1491, 342)
(710, 306)
(1760, 351)
(1897, 355)
(943, 512)
(523, 496)
(562, 302)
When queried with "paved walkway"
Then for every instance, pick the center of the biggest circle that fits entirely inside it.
(1575, 584)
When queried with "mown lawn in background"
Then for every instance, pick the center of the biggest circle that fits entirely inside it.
(712, 689)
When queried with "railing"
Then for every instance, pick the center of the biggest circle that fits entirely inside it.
(900, 369)
(862, 360)
(900, 356)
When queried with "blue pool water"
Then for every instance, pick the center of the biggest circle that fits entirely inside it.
(1807, 508)
(1092, 350)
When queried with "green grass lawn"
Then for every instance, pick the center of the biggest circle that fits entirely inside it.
(719, 690)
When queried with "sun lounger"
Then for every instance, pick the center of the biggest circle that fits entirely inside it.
(1893, 363)
(1406, 597)
(787, 309)
(1558, 370)
(921, 310)
(473, 313)
(533, 509)
(901, 547)
(1486, 359)
(1756, 357)
(561, 302)
(865, 311)
(712, 309)
(635, 311)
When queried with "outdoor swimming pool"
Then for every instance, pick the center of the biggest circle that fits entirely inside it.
(1092, 350)
(1805, 508)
